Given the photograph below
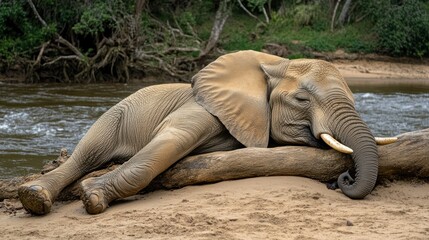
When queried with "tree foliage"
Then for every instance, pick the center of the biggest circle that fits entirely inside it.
(403, 29)
(18, 33)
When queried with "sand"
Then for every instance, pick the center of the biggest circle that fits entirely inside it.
(379, 69)
(256, 208)
(378, 73)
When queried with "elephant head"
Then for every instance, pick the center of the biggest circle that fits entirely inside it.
(258, 96)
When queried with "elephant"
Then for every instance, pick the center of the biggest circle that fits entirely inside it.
(242, 99)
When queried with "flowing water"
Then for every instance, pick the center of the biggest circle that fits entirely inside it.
(37, 120)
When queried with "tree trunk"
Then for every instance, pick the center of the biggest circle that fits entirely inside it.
(222, 14)
(344, 13)
(408, 157)
(334, 14)
(138, 13)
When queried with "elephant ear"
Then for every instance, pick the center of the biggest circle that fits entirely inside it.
(234, 89)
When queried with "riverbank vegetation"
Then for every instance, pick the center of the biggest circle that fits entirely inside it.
(115, 40)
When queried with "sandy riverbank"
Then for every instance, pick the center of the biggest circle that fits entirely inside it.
(257, 208)
(378, 73)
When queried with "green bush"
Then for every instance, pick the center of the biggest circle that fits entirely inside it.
(306, 14)
(94, 20)
(18, 34)
(355, 38)
(404, 29)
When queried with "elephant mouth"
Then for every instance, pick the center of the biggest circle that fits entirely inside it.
(310, 140)
(314, 142)
(302, 135)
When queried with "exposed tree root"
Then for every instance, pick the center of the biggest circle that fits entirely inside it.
(116, 58)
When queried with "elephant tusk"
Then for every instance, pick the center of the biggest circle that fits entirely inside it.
(333, 143)
(385, 140)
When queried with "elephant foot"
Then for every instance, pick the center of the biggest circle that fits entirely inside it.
(36, 199)
(93, 196)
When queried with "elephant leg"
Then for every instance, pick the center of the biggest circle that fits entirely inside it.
(137, 172)
(38, 196)
(169, 145)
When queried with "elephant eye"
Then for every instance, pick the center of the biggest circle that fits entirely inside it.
(302, 98)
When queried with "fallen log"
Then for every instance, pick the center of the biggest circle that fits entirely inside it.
(408, 157)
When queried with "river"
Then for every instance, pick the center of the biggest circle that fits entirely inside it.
(37, 120)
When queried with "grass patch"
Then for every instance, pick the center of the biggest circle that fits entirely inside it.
(242, 32)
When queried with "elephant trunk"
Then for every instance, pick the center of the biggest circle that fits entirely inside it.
(354, 133)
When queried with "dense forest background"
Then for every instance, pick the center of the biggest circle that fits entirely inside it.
(115, 40)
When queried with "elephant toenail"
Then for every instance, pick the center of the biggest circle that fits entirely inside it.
(93, 198)
(35, 188)
(47, 205)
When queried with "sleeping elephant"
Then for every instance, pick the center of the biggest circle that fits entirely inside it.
(243, 99)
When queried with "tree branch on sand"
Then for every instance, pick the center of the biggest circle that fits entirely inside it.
(408, 157)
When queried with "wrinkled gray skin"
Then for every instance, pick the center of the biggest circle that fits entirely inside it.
(240, 100)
